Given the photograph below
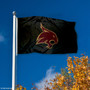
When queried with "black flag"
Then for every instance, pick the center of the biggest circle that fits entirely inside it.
(46, 35)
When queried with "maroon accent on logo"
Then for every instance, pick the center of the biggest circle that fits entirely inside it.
(47, 37)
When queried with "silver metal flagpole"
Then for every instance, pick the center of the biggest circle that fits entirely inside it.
(13, 52)
(16, 36)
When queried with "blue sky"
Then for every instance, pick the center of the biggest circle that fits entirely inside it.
(31, 68)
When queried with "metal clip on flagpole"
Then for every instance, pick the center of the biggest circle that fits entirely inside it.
(14, 51)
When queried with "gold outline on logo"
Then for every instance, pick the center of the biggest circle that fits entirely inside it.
(45, 42)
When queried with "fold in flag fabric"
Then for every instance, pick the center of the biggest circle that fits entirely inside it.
(46, 35)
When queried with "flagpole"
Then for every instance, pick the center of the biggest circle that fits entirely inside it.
(16, 36)
(13, 51)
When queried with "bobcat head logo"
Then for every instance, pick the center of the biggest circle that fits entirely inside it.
(47, 37)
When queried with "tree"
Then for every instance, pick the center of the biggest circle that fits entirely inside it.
(76, 77)
(19, 87)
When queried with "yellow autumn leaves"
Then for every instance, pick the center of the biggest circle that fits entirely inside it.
(81, 72)
(19, 87)
(75, 77)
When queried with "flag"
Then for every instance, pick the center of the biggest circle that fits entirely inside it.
(46, 35)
